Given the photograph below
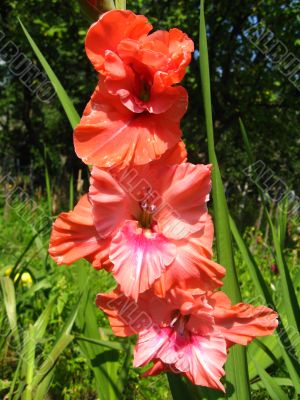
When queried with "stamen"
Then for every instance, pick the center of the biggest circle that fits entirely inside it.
(146, 215)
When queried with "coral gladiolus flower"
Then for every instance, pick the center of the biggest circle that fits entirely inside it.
(135, 112)
(157, 221)
(138, 67)
(186, 332)
(74, 235)
(109, 134)
(144, 226)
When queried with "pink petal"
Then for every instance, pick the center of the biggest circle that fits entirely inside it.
(149, 344)
(185, 192)
(193, 267)
(74, 236)
(126, 317)
(110, 135)
(110, 202)
(203, 361)
(200, 358)
(139, 257)
(242, 322)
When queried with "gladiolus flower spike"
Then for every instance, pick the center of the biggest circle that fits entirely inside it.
(145, 217)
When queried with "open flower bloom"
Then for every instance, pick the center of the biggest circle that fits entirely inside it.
(110, 135)
(157, 221)
(74, 235)
(186, 332)
(150, 225)
(134, 114)
(138, 67)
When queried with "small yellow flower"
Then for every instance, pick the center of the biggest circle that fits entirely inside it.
(8, 271)
(26, 279)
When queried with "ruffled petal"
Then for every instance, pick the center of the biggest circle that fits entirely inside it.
(202, 361)
(74, 236)
(139, 257)
(192, 268)
(110, 135)
(109, 30)
(200, 358)
(149, 345)
(242, 322)
(185, 191)
(126, 317)
(111, 204)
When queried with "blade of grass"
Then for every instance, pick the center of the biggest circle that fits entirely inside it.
(268, 352)
(71, 193)
(43, 388)
(236, 366)
(14, 381)
(273, 389)
(28, 246)
(61, 93)
(179, 388)
(28, 361)
(41, 323)
(9, 299)
(288, 292)
(103, 343)
(283, 207)
(64, 340)
(48, 190)
(280, 381)
(262, 289)
(104, 363)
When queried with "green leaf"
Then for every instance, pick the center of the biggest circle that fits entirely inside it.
(41, 323)
(48, 189)
(64, 340)
(179, 388)
(236, 366)
(9, 299)
(273, 389)
(28, 362)
(71, 193)
(280, 381)
(120, 4)
(253, 269)
(43, 388)
(102, 343)
(262, 357)
(60, 91)
(104, 362)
